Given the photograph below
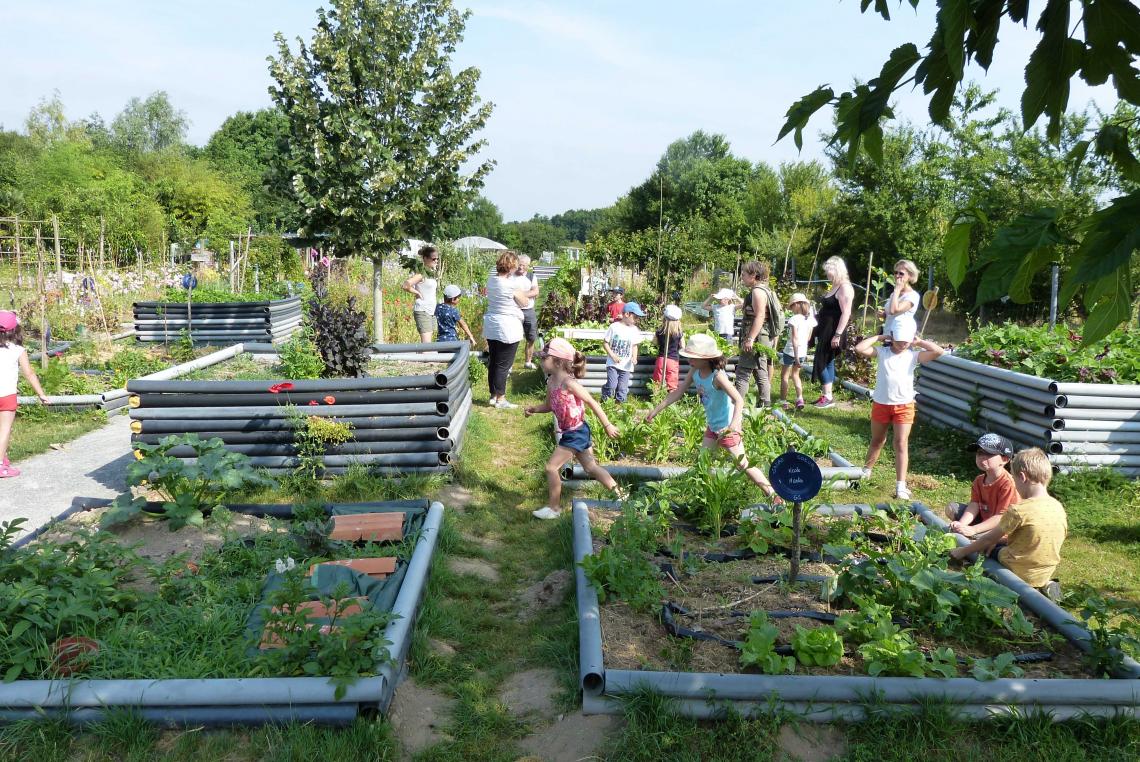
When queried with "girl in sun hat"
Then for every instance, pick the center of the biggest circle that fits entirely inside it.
(794, 354)
(568, 400)
(13, 360)
(724, 314)
(667, 369)
(724, 407)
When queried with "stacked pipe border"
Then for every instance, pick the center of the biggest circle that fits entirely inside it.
(641, 376)
(273, 321)
(222, 702)
(400, 424)
(839, 697)
(1078, 425)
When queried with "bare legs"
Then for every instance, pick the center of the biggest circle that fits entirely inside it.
(752, 472)
(7, 417)
(792, 372)
(901, 445)
(562, 456)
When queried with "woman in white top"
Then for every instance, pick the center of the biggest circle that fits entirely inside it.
(423, 285)
(904, 301)
(507, 294)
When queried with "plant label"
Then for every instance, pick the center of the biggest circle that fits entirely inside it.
(795, 477)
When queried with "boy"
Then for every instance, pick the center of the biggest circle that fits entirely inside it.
(616, 304)
(893, 399)
(621, 342)
(447, 316)
(1034, 528)
(991, 493)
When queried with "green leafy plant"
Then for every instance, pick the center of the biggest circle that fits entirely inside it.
(131, 363)
(1002, 665)
(299, 358)
(1057, 353)
(898, 655)
(183, 349)
(759, 647)
(711, 492)
(624, 567)
(1114, 625)
(817, 646)
(187, 490)
(313, 436)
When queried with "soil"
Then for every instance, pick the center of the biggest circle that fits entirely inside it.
(571, 738)
(545, 594)
(417, 715)
(807, 742)
(391, 368)
(531, 692)
(474, 567)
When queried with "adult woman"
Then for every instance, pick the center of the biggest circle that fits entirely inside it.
(755, 328)
(423, 286)
(503, 324)
(903, 303)
(830, 336)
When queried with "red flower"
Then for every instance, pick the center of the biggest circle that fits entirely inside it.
(330, 400)
(282, 387)
(313, 402)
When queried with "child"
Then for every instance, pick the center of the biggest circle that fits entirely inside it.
(725, 312)
(992, 492)
(568, 400)
(795, 351)
(13, 360)
(447, 316)
(724, 407)
(621, 342)
(616, 303)
(667, 369)
(1034, 528)
(893, 398)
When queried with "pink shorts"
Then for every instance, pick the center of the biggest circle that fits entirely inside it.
(8, 403)
(728, 440)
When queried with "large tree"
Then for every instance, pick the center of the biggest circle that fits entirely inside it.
(380, 126)
(1096, 39)
(250, 148)
(150, 124)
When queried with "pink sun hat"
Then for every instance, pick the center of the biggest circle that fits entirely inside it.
(8, 320)
(561, 348)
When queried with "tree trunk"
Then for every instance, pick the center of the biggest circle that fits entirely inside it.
(378, 300)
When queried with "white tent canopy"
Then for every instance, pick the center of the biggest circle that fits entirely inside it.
(477, 243)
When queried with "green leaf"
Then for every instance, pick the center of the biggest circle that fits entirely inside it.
(1111, 236)
(1051, 65)
(801, 112)
(1113, 307)
(13, 672)
(953, 18)
(1001, 260)
(956, 251)
(1112, 142)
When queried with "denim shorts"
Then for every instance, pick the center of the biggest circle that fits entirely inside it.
(578, 440)
(787, 360)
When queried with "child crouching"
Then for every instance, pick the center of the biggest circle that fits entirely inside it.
(568, 400)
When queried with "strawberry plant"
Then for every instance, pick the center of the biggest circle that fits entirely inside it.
(1056, 354)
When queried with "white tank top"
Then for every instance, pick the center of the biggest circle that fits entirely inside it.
(9, 368)
(426, 287)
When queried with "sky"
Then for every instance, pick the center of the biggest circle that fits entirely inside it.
(587, 93)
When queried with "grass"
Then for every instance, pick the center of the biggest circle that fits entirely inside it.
(37, 429)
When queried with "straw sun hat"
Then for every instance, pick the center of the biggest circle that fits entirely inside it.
(701, 346)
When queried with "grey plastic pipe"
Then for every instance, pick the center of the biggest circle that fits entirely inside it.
(150, 400)
(398, 471)
(835, 457)
(289, 449)
(335, 715)
(1036, 413)
(1097, 401)
(207, 306)
(1099, 414)
(324, 411)
(1094, 448)
(329, 385)
(941, 416)
(855, 388)
(63, 400)
(1100, 425)
(965, 390)
(1078, 435)
(281, 424)
(1026, 431)
(1112, 390)
(591, 672)
(1009, 376)
(1096, 460)
(204, 361)
(386, 459)
(418, 434)
(1000, 386)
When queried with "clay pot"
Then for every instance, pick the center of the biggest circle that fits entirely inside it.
(72, 655)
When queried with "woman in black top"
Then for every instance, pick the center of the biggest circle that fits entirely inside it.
(829, 336)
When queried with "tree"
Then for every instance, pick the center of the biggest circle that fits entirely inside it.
(968, 32)
(250, 147)
(380, 126)
(479, 217)
(149, 125)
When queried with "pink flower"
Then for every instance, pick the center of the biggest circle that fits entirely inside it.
(313, 402)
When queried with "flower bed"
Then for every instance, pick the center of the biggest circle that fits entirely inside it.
(259, 627)
(388, 424)
(273, 320)
(710, 620)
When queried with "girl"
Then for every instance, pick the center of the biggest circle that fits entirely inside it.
(568, 400)
(795, 351)
(667, 369)
(724, 407)
(13, 360)
(724, 314)
(423, 285)
(904, 301)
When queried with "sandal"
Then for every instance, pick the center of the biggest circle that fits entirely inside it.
(7, 471)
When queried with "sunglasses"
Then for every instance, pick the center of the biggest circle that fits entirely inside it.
(901, 272)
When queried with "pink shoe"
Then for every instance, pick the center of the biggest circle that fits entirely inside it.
(7, 471)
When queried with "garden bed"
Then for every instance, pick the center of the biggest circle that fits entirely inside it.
(271, 321)
(212, 627)
(389, 424)
(875, 596)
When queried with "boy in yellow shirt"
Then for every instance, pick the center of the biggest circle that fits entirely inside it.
(1034, 528)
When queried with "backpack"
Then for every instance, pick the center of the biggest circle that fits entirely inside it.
(774, 314)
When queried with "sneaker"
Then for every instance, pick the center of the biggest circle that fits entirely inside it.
(902, 492)
(546, 512)
(825, 402)
(866, 473)
(504, 405)
(746, 514)
(494, 403)
(621, 493)
(6, 472)
(800, 404)
(1052, 590)
(529, 365)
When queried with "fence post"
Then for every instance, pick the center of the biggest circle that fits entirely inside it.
(930, 279)
(58, 256)
(1053, 296)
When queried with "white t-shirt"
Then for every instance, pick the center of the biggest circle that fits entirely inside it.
(803, 324)
(503, 319)
(723, 318)
(622, 339)
(526, 283)
(9, 368)
(894, 382)
(427, 302)
(890, 321)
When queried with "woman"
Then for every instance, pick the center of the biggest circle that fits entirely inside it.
(423, 286)
(904, 301)
(503, 324)
(755, 328)
(829, 336)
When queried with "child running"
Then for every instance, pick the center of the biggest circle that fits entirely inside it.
(795, 351)
(667, 369)
(724, 407)
(13, 361)
(447, 316)
(568, 400)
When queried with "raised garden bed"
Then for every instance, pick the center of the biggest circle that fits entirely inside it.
(1077, 424)
(272, 321)
(215, 635)
(389, 424)
(876, 604)
(642, 375)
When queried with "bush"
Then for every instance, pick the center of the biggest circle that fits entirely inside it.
(1056, 354)
(299, 357)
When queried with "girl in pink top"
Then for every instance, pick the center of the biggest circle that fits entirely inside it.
(13, 361)
(568, 400)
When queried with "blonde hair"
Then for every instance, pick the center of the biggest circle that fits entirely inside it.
(669, 329)
(910, 267)
(837, 266)
(1033, 464)
(508, 262)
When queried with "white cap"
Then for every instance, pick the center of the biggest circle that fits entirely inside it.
(725, 293)
(452, 291)
(798, 297)
(672, 312)
(904, 330)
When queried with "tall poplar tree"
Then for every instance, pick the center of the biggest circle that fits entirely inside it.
(380, 126)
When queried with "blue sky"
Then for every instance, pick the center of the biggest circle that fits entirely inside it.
(588, 94)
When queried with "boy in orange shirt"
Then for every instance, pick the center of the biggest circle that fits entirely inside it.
(991, 493)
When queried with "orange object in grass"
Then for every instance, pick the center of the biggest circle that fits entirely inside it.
(330, 400)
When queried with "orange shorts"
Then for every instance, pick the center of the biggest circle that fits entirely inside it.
(892, 413)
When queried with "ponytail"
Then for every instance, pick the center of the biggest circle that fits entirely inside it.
(578, 367)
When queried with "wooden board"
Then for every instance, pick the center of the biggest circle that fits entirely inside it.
(373, 527)
(378, 568)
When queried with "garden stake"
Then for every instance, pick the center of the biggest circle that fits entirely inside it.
(929, 303)
(867, 299)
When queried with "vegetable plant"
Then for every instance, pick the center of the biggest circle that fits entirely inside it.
(1057, 354)
(1114, 625)
(624, 568)
(759, 647)
(299, 358)
(818, 646)
(899, 656)
(188, 490)
(1002, 665)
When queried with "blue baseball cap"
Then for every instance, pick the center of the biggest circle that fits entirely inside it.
(635, 308)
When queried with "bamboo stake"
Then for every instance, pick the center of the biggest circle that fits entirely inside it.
(788, 251)
(19, 258)
(95, 294)
(102, 238)
(867, 299)
(58, 255)
(43, 299)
